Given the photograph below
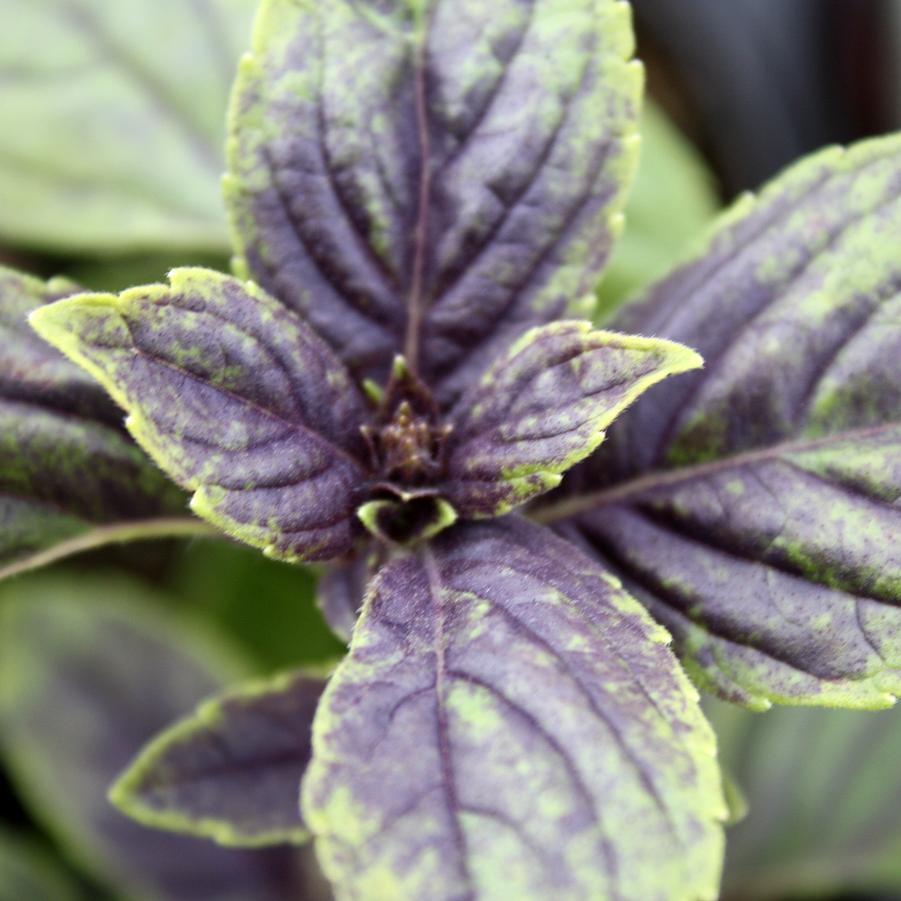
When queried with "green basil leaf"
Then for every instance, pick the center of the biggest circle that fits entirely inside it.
(671, 204)
(111, 122)
(28, 873)
(121, 273)
(823, 787)
(511, 724)
(266, 607)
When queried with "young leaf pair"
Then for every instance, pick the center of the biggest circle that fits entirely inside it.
(418, 189)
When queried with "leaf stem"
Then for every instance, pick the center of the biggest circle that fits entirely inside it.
(120, 533)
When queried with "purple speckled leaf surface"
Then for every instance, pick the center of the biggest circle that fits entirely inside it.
(505, 709)
(416, 172)
(236, 398)
(544, 406)
(67, 463)
(753, 506)
(231, 770)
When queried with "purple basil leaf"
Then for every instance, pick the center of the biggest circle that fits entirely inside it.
(410, 172)
(91, 669)
(544, 406)
(505, 708)
(754, 506)
(67, 466)
(235, 397)
(230, 771)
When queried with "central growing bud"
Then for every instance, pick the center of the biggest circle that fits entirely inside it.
(410, 447)
(406, 446)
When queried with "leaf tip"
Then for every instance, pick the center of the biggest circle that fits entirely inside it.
(120, 794)
(50, 321)
(65, 324)
(373, 391)
(692, 360)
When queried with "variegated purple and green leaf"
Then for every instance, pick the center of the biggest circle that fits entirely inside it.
(236, 398)
(432, 178)
(753, 506)
(230, 771)
(241, 402)
(90, 669)
(71, 476)
(505, 708)
(544, 406)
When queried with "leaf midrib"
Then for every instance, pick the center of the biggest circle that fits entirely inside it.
(297, 427)
(624, 491)
(415, 298)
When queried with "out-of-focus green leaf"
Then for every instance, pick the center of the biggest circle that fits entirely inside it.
(267, 607)
(824, 790)
(28, 874)
(672, 200)
(112, 121)
(120, 273)
(90, 670)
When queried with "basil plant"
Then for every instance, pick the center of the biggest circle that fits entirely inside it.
(538, 536)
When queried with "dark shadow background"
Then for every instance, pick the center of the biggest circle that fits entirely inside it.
(758, 83)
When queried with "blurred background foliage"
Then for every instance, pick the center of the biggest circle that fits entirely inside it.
(111, 151)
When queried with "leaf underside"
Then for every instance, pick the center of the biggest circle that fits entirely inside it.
(754, 506)
(67, 465)
(387, 160)
(544, 406)
(235, 398)
(231, 771)
(441, 771)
